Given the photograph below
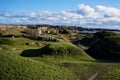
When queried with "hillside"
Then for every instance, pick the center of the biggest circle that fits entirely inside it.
(14, 67)
(57, 49)
(48, 61)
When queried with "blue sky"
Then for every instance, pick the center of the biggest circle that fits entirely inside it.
(52, 5)
(88, 13)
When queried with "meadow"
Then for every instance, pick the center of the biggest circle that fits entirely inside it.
(24, 59)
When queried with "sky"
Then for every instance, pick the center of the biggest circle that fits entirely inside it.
(85, 13)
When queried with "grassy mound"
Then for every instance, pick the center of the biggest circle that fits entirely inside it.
(108, 47)
(14, 67)
(63, 49)
(102, 34)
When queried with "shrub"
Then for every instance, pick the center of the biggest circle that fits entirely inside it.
(6, 41)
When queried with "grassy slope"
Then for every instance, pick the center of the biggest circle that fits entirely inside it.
(14, 67)
(21, 43)
(103, 34)
(111, 73)
(81, 69)
(108, 47)
(65, 49)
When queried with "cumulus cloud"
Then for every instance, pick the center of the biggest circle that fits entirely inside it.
(108, 11)
(85, 15)
(87, 11)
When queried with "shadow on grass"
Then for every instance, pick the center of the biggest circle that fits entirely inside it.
(37, 52)
(31, 53)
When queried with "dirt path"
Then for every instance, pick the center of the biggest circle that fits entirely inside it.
(94, 76)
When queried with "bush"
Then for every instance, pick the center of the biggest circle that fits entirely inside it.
(6, 41)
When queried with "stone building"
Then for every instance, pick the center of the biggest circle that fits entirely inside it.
(35, 31)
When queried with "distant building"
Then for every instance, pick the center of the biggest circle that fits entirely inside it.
(5, 27)
(34, 31)
(53, 31)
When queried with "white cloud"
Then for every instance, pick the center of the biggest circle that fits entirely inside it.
(108, 11)
(100, 16)
(33, 14)
(87, 11)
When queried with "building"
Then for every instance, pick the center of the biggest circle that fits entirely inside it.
(35, 30)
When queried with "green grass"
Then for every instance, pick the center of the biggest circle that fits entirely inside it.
(14, 67)
(61, 61)
(111, 73)
(21, 43)
(82, 70)
(63, 49)
(57, 49)
(103, 34)
(6, 41)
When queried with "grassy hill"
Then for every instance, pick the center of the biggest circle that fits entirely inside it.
(108, 47)
(55, 61)
(101, 35)
(14, 67)
(57, 49)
